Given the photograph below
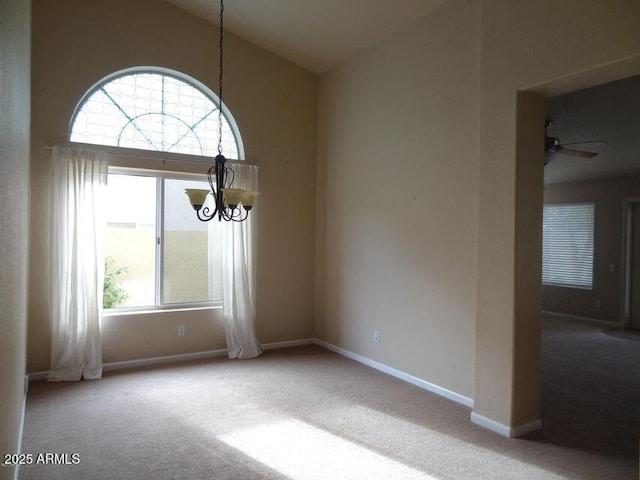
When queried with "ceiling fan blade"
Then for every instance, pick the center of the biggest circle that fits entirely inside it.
(577, 153)
(582, 143)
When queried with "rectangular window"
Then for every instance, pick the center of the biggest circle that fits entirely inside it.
(158, 253)
(567, 245)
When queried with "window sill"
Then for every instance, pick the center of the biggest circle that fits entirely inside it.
(120, 313)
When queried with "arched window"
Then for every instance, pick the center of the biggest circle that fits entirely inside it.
(156, 110)
(159, 255)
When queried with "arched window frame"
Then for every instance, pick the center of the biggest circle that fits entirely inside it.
(130, 167)
(196, 84)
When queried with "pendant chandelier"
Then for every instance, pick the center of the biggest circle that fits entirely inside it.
(231, 204)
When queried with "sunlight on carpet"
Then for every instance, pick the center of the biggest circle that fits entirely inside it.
(301, 451)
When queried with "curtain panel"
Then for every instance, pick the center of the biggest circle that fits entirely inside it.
(78, 191)
(238, 275)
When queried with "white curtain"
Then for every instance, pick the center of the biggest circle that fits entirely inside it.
(77, 262)
(238, 275)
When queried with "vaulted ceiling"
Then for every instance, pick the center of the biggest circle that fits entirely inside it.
(315, 34)
(320, 34)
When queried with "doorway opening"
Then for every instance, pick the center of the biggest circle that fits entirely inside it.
(589, 386)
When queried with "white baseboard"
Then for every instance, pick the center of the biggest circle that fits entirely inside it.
(35, 376)
(288, 343)
(144, 362)
(22, 416)
(476, 418)
(505, 430)
(456, 397)
(595, 321)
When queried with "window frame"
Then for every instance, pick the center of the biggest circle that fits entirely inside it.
(590, 286)
(152, 163)
(159, 305)
(196, 84)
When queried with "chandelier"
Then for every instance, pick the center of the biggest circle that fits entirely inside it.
(231, 204)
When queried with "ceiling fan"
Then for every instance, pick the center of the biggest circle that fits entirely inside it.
(552, 145)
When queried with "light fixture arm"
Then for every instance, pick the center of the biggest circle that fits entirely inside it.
(230, 204)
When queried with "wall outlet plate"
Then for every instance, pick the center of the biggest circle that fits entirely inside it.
(182, 330)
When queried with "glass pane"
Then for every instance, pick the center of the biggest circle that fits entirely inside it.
(151, 111)
(131, 242)
(191, 254)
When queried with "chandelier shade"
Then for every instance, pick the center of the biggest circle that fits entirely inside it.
(197, 197)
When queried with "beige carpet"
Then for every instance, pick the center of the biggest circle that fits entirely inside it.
(307, 413)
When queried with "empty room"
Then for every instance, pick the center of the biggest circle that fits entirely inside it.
(209, 282)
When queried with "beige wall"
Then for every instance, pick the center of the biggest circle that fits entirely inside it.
(431, 115)
(447, 265)
(551, 47)
(15, 30)
(397, 195)
(75, 44)
(608, 196)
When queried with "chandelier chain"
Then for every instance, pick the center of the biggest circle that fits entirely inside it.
(220, 77)
(231, 204)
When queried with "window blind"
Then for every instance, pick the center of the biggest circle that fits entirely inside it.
(567, 245)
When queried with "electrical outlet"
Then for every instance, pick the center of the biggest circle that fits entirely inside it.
(182, 330)
(598, 303)
(376, 336)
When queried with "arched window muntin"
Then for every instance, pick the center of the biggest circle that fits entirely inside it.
(137, 124)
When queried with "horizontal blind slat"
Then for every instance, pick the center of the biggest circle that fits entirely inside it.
(567, 244)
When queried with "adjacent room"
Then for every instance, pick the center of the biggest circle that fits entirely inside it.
(590, 335)
(374, 311)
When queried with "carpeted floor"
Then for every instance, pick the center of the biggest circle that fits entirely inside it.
(307, 413)
(590, 388)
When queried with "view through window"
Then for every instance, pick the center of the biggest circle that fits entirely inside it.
(158, 253)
